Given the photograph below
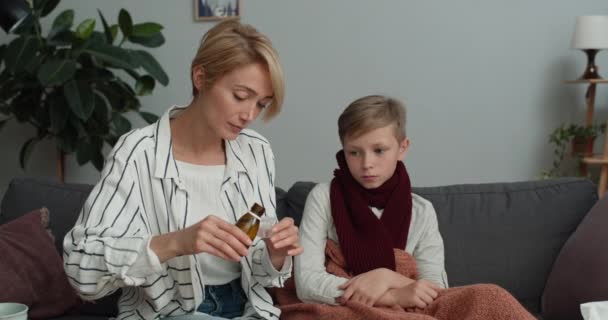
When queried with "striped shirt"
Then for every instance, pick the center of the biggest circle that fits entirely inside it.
(140, 195)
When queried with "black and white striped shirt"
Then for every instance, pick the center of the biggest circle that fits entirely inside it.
(140, 195)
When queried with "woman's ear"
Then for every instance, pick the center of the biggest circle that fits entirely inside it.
(198, 77)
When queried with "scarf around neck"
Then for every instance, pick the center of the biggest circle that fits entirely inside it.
(366, 241)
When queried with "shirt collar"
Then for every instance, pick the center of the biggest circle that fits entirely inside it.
(166, 166)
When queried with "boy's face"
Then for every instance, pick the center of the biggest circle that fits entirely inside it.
(372, 157)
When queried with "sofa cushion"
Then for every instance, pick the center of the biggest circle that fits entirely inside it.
(31, 270)
(580, 273)
(65, 202)
(503, 233)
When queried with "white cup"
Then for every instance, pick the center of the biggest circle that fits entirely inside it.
(13, 311)
(266, 223)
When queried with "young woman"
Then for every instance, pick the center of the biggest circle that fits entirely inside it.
(160, 222)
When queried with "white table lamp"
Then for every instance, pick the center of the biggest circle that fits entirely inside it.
(590, 35)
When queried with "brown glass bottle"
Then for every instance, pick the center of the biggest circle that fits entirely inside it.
(250, 221)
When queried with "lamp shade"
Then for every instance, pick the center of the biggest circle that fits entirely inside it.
(590, 32)
(12, 13)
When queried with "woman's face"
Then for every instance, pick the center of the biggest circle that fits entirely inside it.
(234, 100)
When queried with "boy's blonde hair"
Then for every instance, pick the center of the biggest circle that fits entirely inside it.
(369, 113)
(230, 45)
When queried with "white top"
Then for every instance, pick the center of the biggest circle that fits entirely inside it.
(314, 284)
(204, 183)
(140, 194)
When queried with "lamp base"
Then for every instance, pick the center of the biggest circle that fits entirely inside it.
(591, 70)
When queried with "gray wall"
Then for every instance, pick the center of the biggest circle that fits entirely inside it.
(483, 80)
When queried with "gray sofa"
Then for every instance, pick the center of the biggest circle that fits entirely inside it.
(503, 233)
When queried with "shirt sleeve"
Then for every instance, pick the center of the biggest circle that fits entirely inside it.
(108, 248)
(313, 283)
(429, 252)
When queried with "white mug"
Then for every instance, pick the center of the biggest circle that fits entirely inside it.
(13, 311)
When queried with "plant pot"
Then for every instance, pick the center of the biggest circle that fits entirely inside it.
(582, 146)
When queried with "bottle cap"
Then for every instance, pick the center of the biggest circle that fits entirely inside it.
(258, 209)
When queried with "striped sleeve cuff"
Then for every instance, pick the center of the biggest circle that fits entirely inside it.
(146, 264)
(285, 271)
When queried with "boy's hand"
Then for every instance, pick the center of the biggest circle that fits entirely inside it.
(368, 287)
(389, 300)
(418, 294)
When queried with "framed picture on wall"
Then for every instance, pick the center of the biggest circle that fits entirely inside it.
(216, 9)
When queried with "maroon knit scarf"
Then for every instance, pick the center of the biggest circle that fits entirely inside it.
(366, 241)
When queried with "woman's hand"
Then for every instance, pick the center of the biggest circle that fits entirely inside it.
(211, 235)
(368, 287)
(418, 294)
(282, 242)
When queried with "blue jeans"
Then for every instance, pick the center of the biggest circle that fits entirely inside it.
(225, 301)
(196, 316)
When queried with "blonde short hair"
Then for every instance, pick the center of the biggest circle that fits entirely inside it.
(230, 45)
(369, 113)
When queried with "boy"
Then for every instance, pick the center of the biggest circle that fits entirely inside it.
(372, 132)
(369, 210)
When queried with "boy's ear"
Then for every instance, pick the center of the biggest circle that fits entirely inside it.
(198, 77)
(403, 147)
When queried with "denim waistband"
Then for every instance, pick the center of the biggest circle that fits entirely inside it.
(224, 300)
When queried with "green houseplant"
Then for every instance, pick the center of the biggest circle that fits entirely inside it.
(74, 84)
(579, 138)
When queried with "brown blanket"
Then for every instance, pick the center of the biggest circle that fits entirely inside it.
(474, 302)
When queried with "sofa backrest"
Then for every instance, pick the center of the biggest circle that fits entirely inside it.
(503, 233)
(64, 202)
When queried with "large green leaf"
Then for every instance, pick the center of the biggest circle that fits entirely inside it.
(148, 117)
(89, 149)
(85, 29)
(44, 7)
(84, 151)
(59, 112)
(26, 151)
(33, 65)
(121, 124)
(80, 98)
(149, 63)
(56, 72)
(106, 28)
(49, 7)
(113, 55)
(144, 85)
(26, 103)
(114, 31)
(98, 159)
(99, 124)
(67, 139)
(94, 75)
(62, 22)
(27, 27)
(113, 94)
(125, 22)
(146, 29)
(19, 53)
(61, 38)
(153, 41)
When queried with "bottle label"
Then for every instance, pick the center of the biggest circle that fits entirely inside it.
(253, 214)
